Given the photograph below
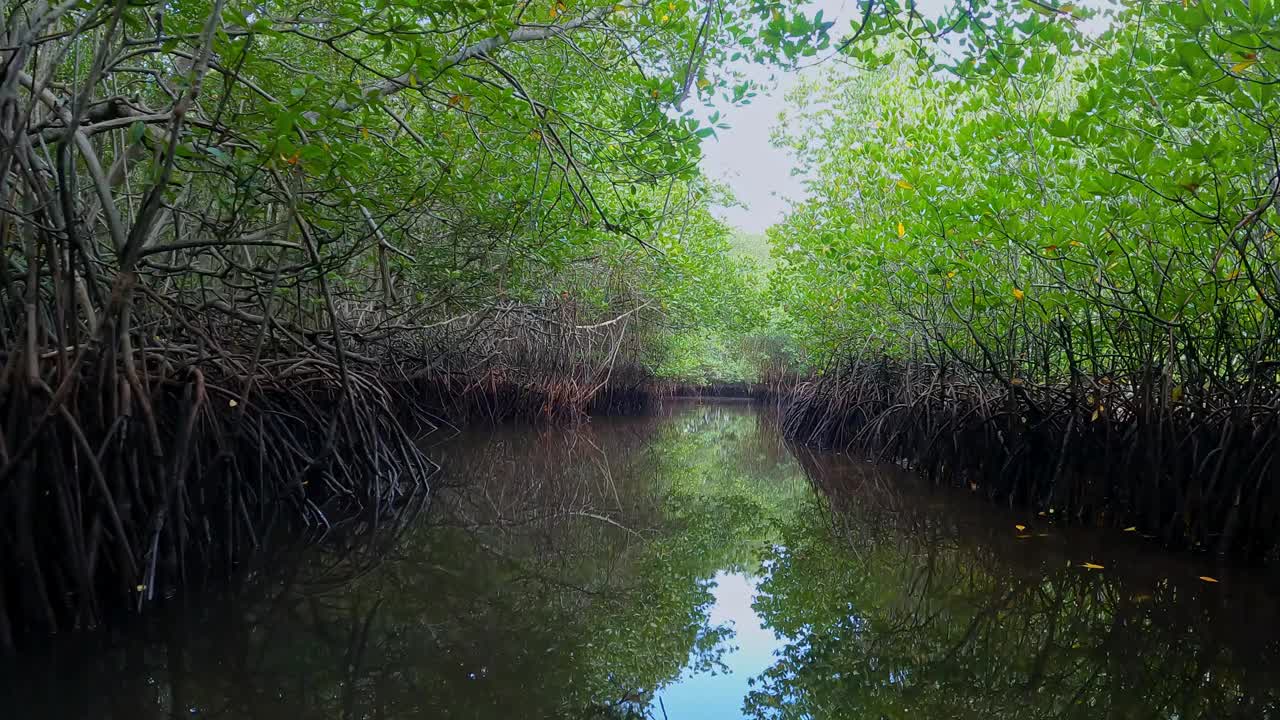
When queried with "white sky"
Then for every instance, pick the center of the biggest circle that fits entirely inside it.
(760, 174)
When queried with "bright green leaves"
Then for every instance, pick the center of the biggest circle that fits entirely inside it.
(1043, 198)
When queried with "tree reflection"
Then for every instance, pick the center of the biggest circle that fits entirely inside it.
(901, 606)
(567, 574)
(560, 574)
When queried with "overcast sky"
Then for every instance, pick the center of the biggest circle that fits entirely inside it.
(760, 174)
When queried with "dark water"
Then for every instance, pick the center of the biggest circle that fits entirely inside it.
(689, 565)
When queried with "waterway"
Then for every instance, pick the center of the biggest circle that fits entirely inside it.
(687, 564)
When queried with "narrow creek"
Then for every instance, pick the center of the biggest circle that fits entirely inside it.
(689, 564)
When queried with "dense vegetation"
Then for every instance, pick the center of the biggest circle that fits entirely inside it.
(268, 244)
(1050, 271)
(241, 240)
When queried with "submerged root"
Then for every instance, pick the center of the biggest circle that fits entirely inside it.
(114, 493)
(1100, 453)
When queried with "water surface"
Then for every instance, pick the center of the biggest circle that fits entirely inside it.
(688, 565)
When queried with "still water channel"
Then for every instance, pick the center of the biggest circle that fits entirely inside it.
(688, 564)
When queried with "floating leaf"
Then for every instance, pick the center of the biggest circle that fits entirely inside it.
(1131, 529)
(1020, 528)
(1092, 566)
(233, 403)
(901, 230)
(1208, 579)
(905, 185)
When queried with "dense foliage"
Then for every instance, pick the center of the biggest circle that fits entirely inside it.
(1041, 215)
(1048, 269)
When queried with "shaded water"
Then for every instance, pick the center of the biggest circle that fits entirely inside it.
(689, 565)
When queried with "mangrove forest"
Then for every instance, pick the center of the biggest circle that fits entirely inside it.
(649, 359)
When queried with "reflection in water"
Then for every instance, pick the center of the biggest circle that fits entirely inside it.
(683, 566)
(899, 603)
(720, 694)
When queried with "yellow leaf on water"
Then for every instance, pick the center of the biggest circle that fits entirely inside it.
(1018, 294)
(1092, 566)
(1208, 579)
(233, 403)
(905, 185)
(1020, 528)
(140, 588)
(901, 230)
(1243, 65)
(1131, 529)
